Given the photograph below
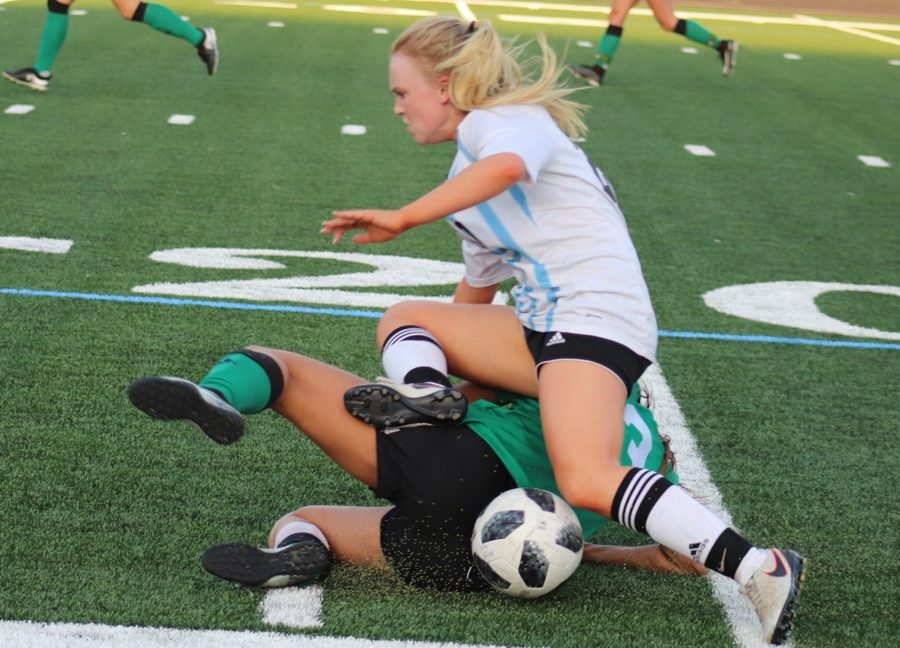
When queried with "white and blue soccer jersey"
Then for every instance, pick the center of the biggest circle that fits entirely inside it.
(560, 233)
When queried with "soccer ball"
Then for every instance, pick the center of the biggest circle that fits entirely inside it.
(527, 542)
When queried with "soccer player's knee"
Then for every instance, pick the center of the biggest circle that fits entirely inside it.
(405, 313)
(672, 24)
(583, 493)
(130, 9)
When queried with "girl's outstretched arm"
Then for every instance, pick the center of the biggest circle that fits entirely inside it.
(483, 180)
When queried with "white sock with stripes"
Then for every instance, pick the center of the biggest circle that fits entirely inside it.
(647, 502)
(299, 526)
(412, 354)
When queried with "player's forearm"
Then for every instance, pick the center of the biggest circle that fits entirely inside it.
(651, 557)
(483, 180)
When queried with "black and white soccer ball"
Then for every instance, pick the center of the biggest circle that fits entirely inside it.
(527, 542)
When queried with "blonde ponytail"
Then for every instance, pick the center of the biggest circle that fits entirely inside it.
(483, 73)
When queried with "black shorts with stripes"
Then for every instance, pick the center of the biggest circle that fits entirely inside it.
(439, 479)
(559, 345)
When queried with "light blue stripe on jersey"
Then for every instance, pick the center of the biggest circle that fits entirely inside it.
(540, 271)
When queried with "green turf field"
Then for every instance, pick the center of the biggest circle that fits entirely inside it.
(105, 511)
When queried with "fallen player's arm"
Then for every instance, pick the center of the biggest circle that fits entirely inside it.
(653, 557)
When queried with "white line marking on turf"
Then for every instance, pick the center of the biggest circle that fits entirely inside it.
(744, 624)
(257, 3)
(294, 607)
(700, 150)
(29, 244)
(181, 120)
(894, 62)
(27, 634)
(275, 23)
(380, 30)
(390, 11)
(464, 10)
(78, 12)
(584, 44)
(353, 129)
(873, 161)
(847, 29)
(689, 50)
(19, 109)
(793, 57)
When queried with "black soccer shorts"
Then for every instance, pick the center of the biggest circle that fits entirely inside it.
(439, 479)
(559, 345)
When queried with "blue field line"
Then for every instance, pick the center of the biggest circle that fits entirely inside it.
(344, 312)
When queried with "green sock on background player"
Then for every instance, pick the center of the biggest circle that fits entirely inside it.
(163, 19)
(608, 45)
(696, 32)
(248, 380)
(54, 35)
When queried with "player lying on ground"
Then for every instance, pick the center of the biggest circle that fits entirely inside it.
(437, 478)
(157, 16)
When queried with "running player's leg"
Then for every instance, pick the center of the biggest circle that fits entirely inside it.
(665, 16)
(164, 20)
(609, 43)
(56, 27)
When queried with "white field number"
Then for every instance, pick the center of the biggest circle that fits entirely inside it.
(785, 303)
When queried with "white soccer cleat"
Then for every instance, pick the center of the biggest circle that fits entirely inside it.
(773, 589)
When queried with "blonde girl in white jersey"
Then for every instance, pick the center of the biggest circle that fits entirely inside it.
(528, 204)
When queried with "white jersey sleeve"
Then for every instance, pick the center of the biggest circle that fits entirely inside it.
(524, 135)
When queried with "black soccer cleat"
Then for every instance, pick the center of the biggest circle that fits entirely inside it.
(728, 53)
(593, 74)
(391, 404)
(302, 561)
(30, 78)
(208, 49)
(167, 398)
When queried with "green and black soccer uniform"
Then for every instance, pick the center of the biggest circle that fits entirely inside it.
(440, 478)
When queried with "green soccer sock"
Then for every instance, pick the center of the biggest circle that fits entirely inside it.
(163, 19)
(246, 380)
(697, 33)
(608, 45)
(54, 35)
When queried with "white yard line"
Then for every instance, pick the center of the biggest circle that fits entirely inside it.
(744, 625)
(464, 10)
(847, 29)
(25, 634)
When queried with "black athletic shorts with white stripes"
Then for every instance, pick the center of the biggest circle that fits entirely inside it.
(439, 479)
(559, 345)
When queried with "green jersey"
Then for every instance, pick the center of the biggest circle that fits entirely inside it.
(512, 427)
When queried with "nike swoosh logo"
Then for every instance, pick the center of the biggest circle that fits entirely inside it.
(780, 569)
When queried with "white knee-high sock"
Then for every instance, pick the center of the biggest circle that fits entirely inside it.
(647, 502)
(299, 526)
(412, 354)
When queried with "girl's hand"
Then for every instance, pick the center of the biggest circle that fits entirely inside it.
(380, 225)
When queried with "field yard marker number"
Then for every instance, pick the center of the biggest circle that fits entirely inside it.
(783, 303)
